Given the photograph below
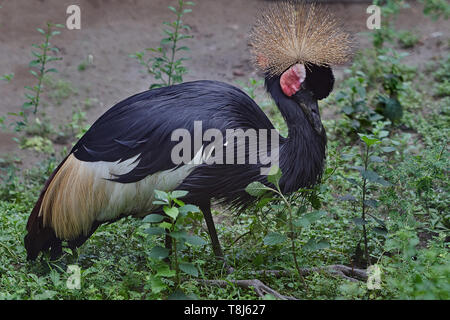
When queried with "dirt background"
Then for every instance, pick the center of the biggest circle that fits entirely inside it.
(111, 30)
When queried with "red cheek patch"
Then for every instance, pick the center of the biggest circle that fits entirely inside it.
(292, 79)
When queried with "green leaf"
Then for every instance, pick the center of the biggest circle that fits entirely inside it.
(179, 235)
(158, 252)
(274, 175)
(376, 159)
(313, 245)
(371, 203)
(171, 212)
(391, 107)
(309, 218)
(263, 201)
(155, 231)
(388, 149)
(178, 202)
(51, 70)
(7, 77)
(165, 272)
(157, 285)
(256, 189)
(156, 85)
(165, 225)
(165, 41)
(369, 141)
(195, 240)
(315, 201)
(188, 208)
(179, 193)
(189, 268)
(274, 238)
(27, 105)
(161, 195)
(46, 295)
(359, 221)
(153, 218)
(352, 181)
(380, 222)
(374, 177)
(53, 59)
(347, 110)
(380, 231)
(34, 63)
(184, 48)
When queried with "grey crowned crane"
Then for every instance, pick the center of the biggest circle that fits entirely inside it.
(113, 170)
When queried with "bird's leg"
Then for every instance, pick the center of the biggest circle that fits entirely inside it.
(56, 250)
(206, 209)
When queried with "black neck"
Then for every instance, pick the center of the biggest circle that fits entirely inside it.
(302, 154)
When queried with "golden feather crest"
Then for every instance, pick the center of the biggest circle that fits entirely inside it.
(291, 32)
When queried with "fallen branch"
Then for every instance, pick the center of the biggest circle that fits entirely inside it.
(346, 272)
(349, 273)
(260, 288)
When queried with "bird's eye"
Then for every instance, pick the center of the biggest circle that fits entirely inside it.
(292, 79)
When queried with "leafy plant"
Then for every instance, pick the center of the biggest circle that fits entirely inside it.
(383, 72)
(436, 8)
(39, 68)
(174, 224)
(42, 58)
(369, 181)
(251, 86)
(407, 39)
(76, 128)
(412, 272)
(355, 103)
(7, 77)
(389, 12)
(58, 89)
(164, 66)
(294, 221)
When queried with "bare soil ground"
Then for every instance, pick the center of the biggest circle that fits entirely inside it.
(110, 30)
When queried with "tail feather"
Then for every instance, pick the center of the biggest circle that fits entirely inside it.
(40, 238)
(65, 210)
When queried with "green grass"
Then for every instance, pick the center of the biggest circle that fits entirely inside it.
(117, 261)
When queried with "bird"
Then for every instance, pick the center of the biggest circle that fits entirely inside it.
(113, 170)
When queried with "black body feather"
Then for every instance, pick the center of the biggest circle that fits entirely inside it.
(143, 124)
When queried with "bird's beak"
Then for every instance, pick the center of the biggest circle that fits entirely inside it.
(308, 103)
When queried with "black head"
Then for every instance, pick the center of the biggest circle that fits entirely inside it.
(302, 86)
